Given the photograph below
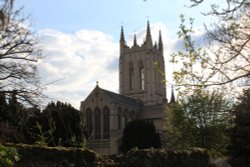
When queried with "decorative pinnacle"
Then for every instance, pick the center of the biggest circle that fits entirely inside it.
(135, 41)
(148, 36)
(148, 29)
(160, 40)
(122, 35)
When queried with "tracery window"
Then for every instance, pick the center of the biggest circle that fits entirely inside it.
(89, 120)
(97, 123)
(131, 76)
(142, 77)
(119, 118)
(125, 117)
(106, 120)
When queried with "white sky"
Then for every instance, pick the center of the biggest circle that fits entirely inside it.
(80, 39)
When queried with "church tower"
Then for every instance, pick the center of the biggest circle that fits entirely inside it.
(141, 69)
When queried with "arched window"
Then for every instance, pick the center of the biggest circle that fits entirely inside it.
(119, 118)
(142, 77)
(89, 120)
(125, 117)
(97, 123)
(106, 129)
(131, 76)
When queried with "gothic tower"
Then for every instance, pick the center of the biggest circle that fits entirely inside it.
(141, 67)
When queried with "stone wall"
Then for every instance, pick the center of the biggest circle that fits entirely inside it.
(36, 156)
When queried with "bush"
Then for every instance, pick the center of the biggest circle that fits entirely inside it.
(164, 158)
(40, 156)
(140, 134)
(8, 156)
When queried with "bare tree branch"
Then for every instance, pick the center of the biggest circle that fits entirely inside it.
(18, 56)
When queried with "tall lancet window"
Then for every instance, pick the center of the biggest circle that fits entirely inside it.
(142, 77)
(89, 120)
(97, 123)
(106, 113)
(119, 118)
(131, 76)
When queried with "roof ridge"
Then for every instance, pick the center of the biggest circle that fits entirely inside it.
(122, 98)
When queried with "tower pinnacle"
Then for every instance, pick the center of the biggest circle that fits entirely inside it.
(160, 41)
(148, 36)
(122, 35)
(135, 41)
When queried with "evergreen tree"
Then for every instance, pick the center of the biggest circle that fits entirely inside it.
(140, 134)
(65, 125)
(240, 134)
(3, 108)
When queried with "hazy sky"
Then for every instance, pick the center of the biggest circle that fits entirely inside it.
(80, 38)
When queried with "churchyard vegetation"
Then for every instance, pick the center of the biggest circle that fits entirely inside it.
(140, 134)
(199, 120)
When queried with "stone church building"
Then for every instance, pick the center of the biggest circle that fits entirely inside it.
(142, 95)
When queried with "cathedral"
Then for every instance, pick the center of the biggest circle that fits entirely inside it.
(142, 95)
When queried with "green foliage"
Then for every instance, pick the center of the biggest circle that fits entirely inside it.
(8, 156)
(65, 125)
(164, 158)
(58, 125)
(12, 120)
(41, 140)
(240, 134)
(78, 157)
(140, 134)
(40, 156)
(177, 127)
(199, 120)
(192, 60)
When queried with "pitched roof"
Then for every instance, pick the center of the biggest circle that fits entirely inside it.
(121, 99)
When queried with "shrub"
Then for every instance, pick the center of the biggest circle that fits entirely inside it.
(8, 156)
(140, 134)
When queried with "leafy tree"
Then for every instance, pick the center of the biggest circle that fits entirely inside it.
(177, 128)
(140, 134)
(240, 135)
(199, 120)
(226, 59)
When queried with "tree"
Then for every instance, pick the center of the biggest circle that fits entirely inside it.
(177, 128)
(199, 120)
(18, 57)
(141, 134)
(226, 59)
(68, 123)
(240, 134)
(58, 124)
(5, 11)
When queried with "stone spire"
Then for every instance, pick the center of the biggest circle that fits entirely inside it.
(172, 99)
(148, 36)
(160, 43)
(122, 39)
(135, 41)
